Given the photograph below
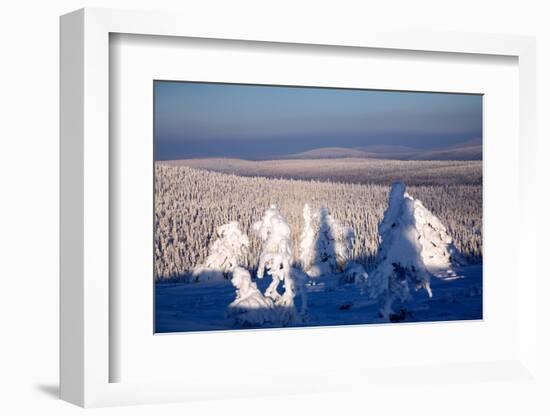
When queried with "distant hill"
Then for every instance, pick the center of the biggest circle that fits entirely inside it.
(330, 153)
(469, 150)
(468, 143)
(388, 148)
(459, 153)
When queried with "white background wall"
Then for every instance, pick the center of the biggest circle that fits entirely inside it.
(29, 198)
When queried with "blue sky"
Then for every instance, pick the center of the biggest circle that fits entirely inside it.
(262, 122)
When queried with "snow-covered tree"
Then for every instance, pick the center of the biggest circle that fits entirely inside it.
(400, 261)
(344, 238)
(438, 251)
(325, 248)
(250, 307)
(294, 285)
(326, 245)
(227, 252)
(276, 258)
(276, 254)
(307, 239)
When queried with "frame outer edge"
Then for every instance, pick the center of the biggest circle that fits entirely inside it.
(71, 203)
(84, 174)
(528, 183)
(96, 185)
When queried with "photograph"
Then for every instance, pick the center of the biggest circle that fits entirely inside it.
(284, 206)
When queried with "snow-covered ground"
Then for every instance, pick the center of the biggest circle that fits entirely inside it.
(182, 307)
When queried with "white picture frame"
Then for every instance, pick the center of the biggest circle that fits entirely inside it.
(85, 211)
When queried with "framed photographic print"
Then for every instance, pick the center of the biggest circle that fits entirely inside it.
(232, 200)
(338, 206)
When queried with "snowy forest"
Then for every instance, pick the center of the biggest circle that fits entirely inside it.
(237, 251)
(189, 209)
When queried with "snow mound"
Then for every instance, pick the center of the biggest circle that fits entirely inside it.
(227, 252)
(355, 273)
(413, 242)
(250, 307)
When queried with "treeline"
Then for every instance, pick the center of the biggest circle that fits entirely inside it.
(190, 204)
(348, 170)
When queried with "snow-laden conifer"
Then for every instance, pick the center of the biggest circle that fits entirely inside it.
(307, 238)
(344, 238)
(276, 258)
(294, 285)
(276, 254)
(227, 252)
(326, 245)
(438, 251)
(413, 244)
